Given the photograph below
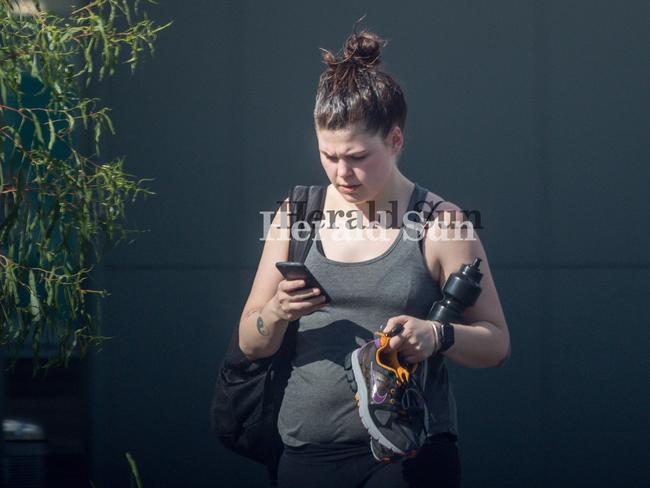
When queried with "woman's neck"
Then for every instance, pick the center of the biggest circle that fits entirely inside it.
(392, 198)
(398, 188)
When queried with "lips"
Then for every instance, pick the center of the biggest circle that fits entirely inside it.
(348, 189)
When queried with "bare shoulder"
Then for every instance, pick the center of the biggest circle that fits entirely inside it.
(442, 215)
(440, 206)
(452, 242)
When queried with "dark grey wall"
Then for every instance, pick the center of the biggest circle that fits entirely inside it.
(535, 113)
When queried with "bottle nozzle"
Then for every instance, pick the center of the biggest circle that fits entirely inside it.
(472, 270)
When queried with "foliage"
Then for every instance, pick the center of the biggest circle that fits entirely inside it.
(60, 210)
(135, 475)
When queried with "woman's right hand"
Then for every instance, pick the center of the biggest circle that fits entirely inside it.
(291, 301)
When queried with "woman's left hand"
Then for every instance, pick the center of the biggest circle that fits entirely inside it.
(416, 342)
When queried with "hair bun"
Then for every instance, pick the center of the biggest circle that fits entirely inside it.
(362, 49)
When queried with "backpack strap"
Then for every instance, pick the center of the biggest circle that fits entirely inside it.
(422, 205)
(306, 205)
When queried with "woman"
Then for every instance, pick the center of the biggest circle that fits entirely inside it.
(359, 116)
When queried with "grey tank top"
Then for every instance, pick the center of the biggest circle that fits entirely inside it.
(318, 405)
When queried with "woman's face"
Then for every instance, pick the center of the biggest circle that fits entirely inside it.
(353, 157)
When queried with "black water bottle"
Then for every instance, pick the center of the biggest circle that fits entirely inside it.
(460, 292)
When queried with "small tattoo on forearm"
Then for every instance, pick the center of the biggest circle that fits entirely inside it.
(260, 326)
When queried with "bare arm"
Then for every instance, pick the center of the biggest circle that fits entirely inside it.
(485, 341)
(273, 301)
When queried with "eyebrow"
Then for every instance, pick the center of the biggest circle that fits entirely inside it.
(351, 154)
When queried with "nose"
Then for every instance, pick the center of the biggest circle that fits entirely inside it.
(343, 170)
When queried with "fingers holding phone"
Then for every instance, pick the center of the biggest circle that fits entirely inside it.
(299, 293)
(294, 300)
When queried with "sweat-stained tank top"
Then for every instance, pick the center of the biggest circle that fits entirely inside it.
(318, 405)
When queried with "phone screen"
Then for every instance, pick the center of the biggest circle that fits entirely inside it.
(299, 271)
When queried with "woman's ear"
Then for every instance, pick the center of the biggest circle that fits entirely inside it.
(396, 139)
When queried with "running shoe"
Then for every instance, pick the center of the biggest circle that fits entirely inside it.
(385, 455)
(390, 398)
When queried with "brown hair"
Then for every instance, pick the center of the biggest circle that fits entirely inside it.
(354, 89)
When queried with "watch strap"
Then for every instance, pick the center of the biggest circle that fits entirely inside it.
(445, 333)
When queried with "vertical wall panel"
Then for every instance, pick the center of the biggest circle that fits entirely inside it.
(532, 112)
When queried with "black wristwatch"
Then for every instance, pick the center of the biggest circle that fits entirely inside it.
(445, 336)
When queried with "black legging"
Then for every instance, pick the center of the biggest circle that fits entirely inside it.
(352, 466)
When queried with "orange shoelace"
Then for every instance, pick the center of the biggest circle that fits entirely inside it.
(388, 358)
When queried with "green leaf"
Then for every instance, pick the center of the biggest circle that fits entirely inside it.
(34, 303)
(71, 121)
(127, 11)
(134, 469)
(34, 67)
(37, 127)
(3, 88)
(110, 123)
(52, 134)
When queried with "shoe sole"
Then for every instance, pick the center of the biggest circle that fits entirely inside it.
(380, 458)
(348, 372)
(362, 404)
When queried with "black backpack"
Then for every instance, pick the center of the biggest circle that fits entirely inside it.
(248, 394)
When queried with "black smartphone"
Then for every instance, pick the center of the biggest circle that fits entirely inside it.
(298, 271)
